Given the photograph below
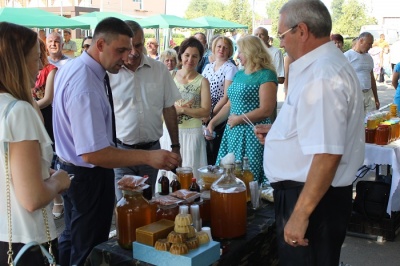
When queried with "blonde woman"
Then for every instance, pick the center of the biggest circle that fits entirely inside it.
(252, 93)
(220, 74)
(22, 133)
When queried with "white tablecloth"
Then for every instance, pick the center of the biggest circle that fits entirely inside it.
(387, 154)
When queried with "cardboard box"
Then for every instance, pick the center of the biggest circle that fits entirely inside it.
(150, 233)
(206, 254)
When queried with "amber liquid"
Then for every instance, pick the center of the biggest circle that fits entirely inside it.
(185, 179)
(247, 178)
(132, 211)
(228, 214)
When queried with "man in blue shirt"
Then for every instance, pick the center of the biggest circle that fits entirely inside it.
(83, 131)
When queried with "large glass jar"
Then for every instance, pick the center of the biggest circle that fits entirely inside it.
(382, 135)
(228, 206)
(168, 212)
(132, 211)
(370, 135)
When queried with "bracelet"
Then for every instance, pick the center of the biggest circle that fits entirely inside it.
(178, 145)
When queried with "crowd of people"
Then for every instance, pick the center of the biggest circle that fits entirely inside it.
(71, 128)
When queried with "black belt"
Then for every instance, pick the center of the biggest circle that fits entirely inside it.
(139, 146)
(286, 184)
(64, 162)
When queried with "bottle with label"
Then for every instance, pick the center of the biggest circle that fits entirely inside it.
(147, 193)
(194, 186)
(164, 184)
(238, 169)
(159, 182)
(228, 206)
(247, 177)
(175, 185)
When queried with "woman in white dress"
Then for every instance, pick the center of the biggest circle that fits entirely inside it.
(194, 105)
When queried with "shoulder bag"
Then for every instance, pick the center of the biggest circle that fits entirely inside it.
(48, 254)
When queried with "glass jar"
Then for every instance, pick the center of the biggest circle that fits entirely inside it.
(185, 175)
(132, 211)
(382, 135)
(228, 206)
(370, 135)
(168, 212)
(205, 207)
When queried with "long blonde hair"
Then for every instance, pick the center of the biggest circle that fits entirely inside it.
(256, 53)
(15, 44)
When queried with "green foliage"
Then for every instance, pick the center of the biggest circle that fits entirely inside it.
(336, 8)
(353, 17)
(200, 8)
(239, 11)
(273, 8)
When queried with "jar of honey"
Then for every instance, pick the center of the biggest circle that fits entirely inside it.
(382, 134)
(168, 212)
(132, 211)
(370, 135)
(228, 205)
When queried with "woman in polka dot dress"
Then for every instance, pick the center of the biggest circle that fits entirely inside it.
(252, 92)
(220, 74)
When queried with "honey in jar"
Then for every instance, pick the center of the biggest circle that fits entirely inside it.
(132, 211)
(382, 135)
(228, 206)
(185, 175)
(168, 212)
(370, 135)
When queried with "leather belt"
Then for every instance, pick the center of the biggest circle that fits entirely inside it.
(64, 162)
(139, 146)
(286, 184)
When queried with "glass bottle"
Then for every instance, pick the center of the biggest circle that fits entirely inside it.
(147, 193)
(194, 186)
(238, 169)
(175, 185)
(164, 184)
(159, 182)
(132, 211)
(247, 176)
(228, 205)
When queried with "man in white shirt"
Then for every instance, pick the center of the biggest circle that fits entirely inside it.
(363, 64)
(143, 92)
(54, 44)
(277, 60)
(316, 144)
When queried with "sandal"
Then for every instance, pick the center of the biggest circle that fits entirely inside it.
(58, 215)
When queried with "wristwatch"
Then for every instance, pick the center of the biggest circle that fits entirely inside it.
(177, 145)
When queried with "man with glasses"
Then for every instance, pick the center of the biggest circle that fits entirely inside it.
(143, 93)
(319, 130)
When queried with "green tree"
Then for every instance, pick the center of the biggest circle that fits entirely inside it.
(239, 11)
(336, 7)
(353, 17)
(200, 8)
(273, 8)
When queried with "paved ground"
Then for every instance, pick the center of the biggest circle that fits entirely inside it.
(355, 251)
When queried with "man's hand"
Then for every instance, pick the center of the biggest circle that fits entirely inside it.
(261, 132)
(295, 230)
(162, 159)
(377, 104)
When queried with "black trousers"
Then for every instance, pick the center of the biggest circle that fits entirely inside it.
(32, 257)
(326, 230)
(88, 211)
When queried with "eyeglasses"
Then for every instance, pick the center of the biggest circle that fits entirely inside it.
(282, 35)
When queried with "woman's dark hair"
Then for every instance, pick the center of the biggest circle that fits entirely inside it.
(337, 37)
(190, 42)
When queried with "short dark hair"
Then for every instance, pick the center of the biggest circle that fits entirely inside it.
(135, 27)
(337, 37)
(190, 42)
(109, 27)
(86, 38)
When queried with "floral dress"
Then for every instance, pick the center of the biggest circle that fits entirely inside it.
(241, 140)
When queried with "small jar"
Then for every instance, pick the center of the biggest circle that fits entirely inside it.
(168, 212)
(382, 135)
(370, 135)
